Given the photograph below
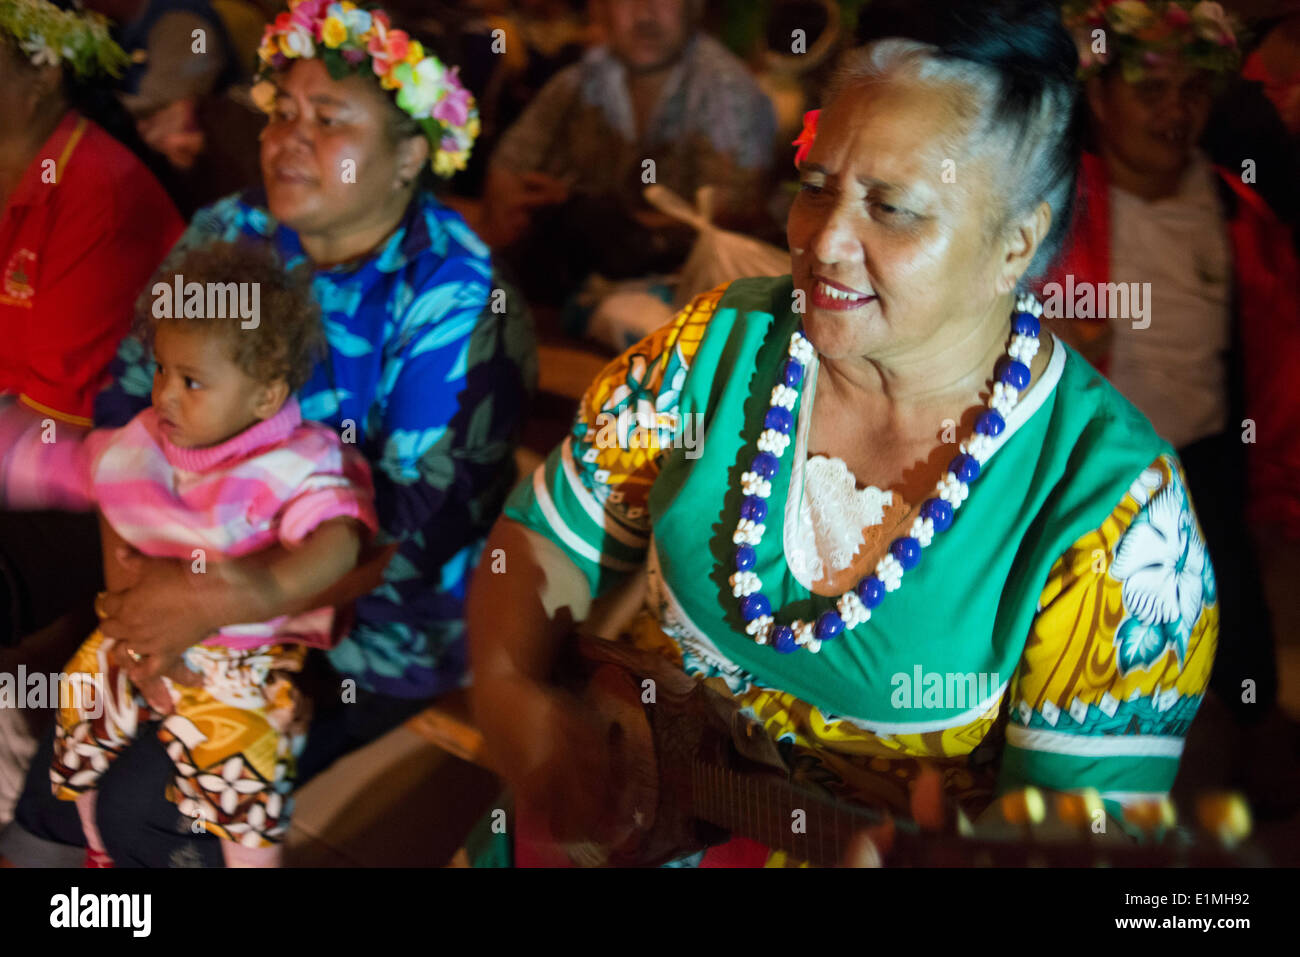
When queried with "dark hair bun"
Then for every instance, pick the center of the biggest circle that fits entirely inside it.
(1027, 45)
(1014, 36)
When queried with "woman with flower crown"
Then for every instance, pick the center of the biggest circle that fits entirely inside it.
(429, 364)
(904, 482)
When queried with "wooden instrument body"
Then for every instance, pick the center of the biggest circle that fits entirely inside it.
(690, 769)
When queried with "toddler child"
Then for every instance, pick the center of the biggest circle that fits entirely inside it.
(219, 466)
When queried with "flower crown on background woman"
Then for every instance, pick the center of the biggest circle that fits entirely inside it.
(50, 36)
(1146, 33)
(346, 37)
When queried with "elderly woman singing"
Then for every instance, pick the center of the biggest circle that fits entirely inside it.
(902, 479)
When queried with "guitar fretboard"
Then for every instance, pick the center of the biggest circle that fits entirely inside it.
(804, 825)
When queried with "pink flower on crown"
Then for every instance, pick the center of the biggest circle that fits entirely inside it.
(453, 108)
(806, 137)
(307, 16)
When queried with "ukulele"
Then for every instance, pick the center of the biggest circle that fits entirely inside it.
(691, 770)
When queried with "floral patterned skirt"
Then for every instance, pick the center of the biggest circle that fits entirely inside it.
(234, 740)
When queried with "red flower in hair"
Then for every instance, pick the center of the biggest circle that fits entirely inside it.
(805, 140)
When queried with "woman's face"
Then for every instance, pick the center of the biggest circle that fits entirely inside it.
(890, 233)
(1154, 124)
(328, 160)
(21, 86)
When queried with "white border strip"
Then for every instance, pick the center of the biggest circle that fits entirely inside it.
(1095, 746)
(969, 716)
(567, 535)
(1133, 797)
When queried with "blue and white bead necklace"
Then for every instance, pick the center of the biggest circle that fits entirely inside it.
(936, 515)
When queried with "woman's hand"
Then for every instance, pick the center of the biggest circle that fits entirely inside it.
(559, 766)
(152, 688)
(165, 609)
(929, 807)
(159, 607)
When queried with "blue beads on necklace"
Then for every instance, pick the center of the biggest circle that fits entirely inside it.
(783, 639)
(780, 419)
(990, 423)
(966, 467)
(829, 625)
(1015, 374)
(755, 606)
(939, 512)
(871, 591)
(907, 551)
(792, 375)
(936, 515)
(765, 464)
(1025, 324)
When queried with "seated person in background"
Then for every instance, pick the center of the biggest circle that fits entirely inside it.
(1275, 63)
(1212, 356)
(219, 466)
(564, 189)
(83, 224)
(168, 75)
(541, 37)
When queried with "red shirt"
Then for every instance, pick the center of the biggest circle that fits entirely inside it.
(82, 233)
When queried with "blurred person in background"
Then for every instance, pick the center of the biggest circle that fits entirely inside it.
(1275, 63)
(83, 223)
(507, 70)
(1214, 358)
(172, 66)
(184, 89)
(658, 101)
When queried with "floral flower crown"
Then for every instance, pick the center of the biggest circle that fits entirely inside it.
(1146, 33)
(345, 36)
(50, 36)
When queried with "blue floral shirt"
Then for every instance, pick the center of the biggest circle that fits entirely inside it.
(431, 360)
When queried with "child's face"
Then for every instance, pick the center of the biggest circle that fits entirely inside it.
(202, 397)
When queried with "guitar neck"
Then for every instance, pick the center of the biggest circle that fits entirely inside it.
(816, 829)
(804, 825)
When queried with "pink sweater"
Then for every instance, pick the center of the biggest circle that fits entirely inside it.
(273, 483)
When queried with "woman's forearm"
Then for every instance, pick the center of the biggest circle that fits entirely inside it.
(517, 619)
(283, 581)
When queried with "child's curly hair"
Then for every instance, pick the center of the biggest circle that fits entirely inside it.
(288, 338)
